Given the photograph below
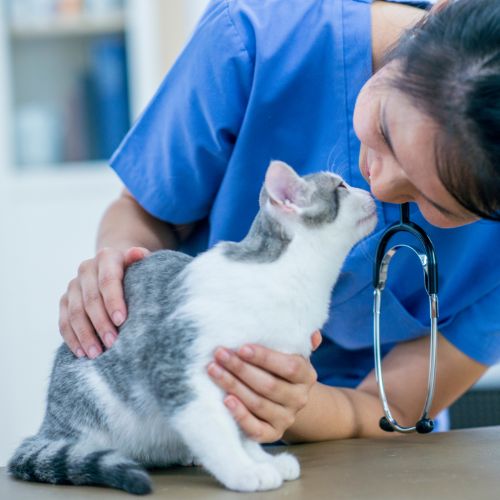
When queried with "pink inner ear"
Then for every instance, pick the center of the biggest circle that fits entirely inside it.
(284, 186)
(282, 206)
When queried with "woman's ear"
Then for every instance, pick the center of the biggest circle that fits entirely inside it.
(287, 190)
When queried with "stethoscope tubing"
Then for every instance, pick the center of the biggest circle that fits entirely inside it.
(379, 375)
(429, 264)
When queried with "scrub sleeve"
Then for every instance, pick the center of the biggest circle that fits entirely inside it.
(174, 157)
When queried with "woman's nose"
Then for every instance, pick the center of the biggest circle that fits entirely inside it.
(387, 179)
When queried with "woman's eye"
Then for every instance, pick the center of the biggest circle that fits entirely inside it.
(382, 136)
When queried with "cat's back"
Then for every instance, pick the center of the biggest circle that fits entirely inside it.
(151, 279)
(153, 289)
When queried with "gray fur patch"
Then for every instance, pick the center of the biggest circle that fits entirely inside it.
(266, 241)
(152, 351)
(325, 199)
(69, 406)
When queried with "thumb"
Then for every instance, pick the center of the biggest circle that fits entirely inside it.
(134, 254)
(316, 340)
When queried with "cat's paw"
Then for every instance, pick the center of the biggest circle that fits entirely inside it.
(258, 477)
(287, 465)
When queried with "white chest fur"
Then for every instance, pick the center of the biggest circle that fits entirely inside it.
(278, 304)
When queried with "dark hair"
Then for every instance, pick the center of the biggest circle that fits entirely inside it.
(450, 68)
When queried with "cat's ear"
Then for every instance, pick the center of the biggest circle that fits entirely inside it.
(286, 189)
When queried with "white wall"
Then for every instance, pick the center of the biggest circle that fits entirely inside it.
(45, 233)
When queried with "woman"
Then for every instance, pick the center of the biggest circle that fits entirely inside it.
(262, 80)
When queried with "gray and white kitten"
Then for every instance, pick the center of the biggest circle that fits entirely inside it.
(148, 401)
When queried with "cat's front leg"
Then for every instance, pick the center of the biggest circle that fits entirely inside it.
(287, 464)
(210, 432)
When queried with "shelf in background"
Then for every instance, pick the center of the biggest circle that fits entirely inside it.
(48, 185)
(68, 26)
(73, 180)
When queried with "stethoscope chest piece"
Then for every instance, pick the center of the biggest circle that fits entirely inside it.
(427, 257)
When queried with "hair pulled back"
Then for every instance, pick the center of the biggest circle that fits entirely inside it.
(450, 68)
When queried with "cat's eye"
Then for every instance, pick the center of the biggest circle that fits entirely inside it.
(343, 185)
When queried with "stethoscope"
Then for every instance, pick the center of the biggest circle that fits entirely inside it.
(427, 258)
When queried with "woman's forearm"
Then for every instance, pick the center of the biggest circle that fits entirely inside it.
(337, 413)
(126, 224)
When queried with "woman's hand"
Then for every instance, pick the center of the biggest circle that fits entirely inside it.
(94, 306)
(265, 388)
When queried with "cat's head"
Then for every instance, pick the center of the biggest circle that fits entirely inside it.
(321, 204)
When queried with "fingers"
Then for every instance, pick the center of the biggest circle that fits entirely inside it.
(77, 322)
(316, 340)
(94, 305)
(257, 380)
(260, 418)
(255, 428)
(67, 331)
(110, 272)
(134, 254)
(264, 404)
(290, 367)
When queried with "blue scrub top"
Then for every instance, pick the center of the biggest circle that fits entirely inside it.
(278, 80)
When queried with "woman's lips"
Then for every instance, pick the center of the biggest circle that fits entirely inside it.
(364, 162)
(368, 161)
(366, 168)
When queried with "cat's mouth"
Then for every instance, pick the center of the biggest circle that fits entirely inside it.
(367, 218)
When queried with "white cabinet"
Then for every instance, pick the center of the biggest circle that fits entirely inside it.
(49, 210)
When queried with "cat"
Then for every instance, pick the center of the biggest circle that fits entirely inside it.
(148, 401)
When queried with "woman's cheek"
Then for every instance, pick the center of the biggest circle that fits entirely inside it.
(436, 218)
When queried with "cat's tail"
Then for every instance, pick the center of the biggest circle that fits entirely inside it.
(65, 461)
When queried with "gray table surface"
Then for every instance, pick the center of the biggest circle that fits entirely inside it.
(462, 464)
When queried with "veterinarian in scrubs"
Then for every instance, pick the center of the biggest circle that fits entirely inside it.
(292, 80)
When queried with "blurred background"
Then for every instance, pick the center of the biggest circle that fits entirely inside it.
(74, 74)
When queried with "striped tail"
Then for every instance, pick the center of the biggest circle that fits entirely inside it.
(70, 462)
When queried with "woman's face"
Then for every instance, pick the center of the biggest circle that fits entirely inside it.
(397, 153)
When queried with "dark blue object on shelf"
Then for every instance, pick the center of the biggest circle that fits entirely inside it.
(108, 79)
